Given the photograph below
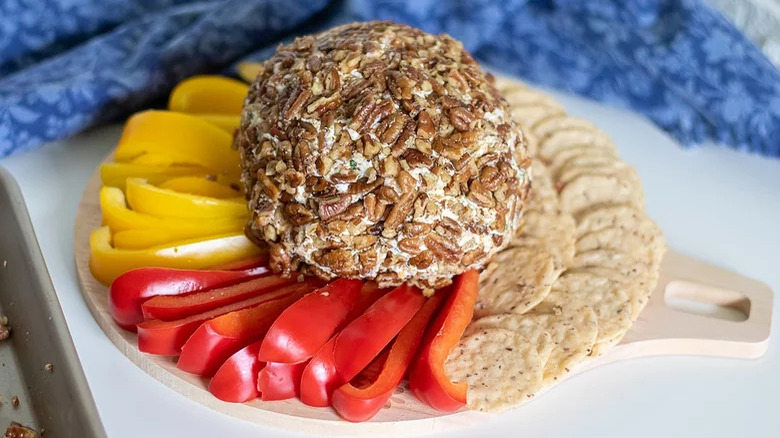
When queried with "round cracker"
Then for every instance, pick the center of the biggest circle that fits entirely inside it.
(543, 196)
(557, 141)
(528, 116)
(515, 281)
(588, 190)
(572, 335)
(501, 369)
(519, 97)
(595, 159)
(554, 231)
(562, 156)
(586, 287)
(561, 123)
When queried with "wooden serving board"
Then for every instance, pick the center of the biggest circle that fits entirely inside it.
(660, 330)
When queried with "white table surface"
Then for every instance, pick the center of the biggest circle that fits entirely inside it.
(713, 203)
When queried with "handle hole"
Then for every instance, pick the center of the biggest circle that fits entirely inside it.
(709, 301)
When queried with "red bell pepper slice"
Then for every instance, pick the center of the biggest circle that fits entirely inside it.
(357, 403)
(427, 378)
(280, 381)
(132, 288)
(304, 327)
(167, 337)
(352, 349)
(217, 339)
(236, 379)
(168, 308)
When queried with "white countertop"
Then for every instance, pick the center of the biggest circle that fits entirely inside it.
(715, 204)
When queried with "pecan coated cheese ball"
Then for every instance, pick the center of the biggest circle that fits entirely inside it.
(377, 151)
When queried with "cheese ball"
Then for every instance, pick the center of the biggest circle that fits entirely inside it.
(379, 152)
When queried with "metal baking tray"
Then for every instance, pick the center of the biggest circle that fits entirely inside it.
(38, 362)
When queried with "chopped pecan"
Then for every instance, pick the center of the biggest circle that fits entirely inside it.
(295, 103)
(425, 127)
(393, 129)
(416, 158)
(444, 249)
(422, 260)
(333, 206)
(461, 118)
(298, 214)
(411, 245)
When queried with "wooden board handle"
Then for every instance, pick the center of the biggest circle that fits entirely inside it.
(663, 329)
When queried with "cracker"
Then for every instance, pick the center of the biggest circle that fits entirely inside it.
(515, 281)
(519, 97)
(557, 141)
(588, 190)
(562, 156)
(572, 336)
(543, 196)
(562, 123)
(617, 216)
(501, 369)
(585, 163)
(528, 116)
(636, 243)
(607, 297)
(554, 231)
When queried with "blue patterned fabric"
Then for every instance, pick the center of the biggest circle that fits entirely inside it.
(66, 65)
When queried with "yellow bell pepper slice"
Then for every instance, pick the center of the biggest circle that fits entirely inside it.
(248, 71)
(148, 199)
(116, 174)
(147, 238)
(194, 185)
(107, 263)
(209, 95)
(117, 216)
(176, 138)
(225, 122)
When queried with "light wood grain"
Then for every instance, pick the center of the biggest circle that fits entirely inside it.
(660, 330)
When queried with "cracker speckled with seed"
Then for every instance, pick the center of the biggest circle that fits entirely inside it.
(558, 141)
(517, 280)
(563, 122)
(554, 231)
(559, 159)
(572, 335)
(543, 197)
(588, 190)
(501, 369)
(606, 296)
(529, 115)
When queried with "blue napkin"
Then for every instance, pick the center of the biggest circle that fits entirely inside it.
(66, 65)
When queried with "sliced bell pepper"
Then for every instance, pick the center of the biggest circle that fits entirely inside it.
(148, 199)
(319, 378)
(118, 217)
(208, 94)
(107, 263)
(167, 337)
(217, 339)
(116, 174)
(131, 289)
(354, 347)
(280, 381)
(170, 307)
(427, 377)
(201, 186)
(355, 403)
(149, 238)
(304, 327)
(226, 122)
(173, 137)
(248, 71)
(236, 380)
